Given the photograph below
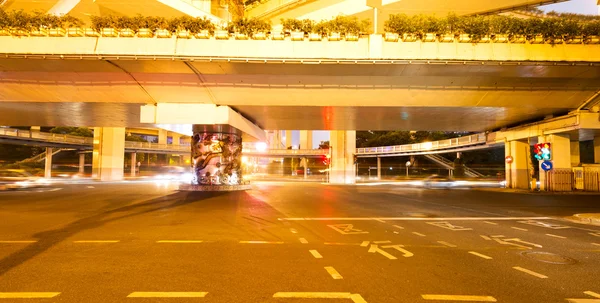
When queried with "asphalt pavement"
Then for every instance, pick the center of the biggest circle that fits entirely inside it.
(295, 242)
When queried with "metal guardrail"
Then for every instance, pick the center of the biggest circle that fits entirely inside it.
(285, 152)
(476, 139)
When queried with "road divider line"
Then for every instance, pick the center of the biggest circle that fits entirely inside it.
(179, 241)
(459, 298)
(418, 234)
(480, 255)
(485, 237)
(303, 241)
(28, 295)
(293, 230)
(18, 241)
(592, 294)
(398, 226)
(96, 241)
(583, 300)
(260, 242)
(556, 236)
(415, 219)
(333, 273)
(364, 244)
(491, 223)
(315, 254)
(167, 294)
(338, 243)
(597, 244)
(518, 228)
(533, 273)
(313, 295)
(446, 243)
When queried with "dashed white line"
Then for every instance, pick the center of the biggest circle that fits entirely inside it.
(303, 241)
(518, 228)
(55, 189)
(485, 237)
(592, 294)
(338, 243)
(491, 223)
(18, 241)
(260, 242)
(315, 254)
(28, 295)
(459, 298)
(398, 226)
(533, 273)
(96, 241)
(556, 236)
(597, 244)
(356, 298)
(418, 234)
(333, 273)
(480, 255)
(293, 230)
(179, 241)
(90, 186)
(583, 300)
(446, 243)
(167, 294)
(364, 243)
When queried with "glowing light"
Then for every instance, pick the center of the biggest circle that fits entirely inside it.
(261, 146)
(427, 145)
(244, 159)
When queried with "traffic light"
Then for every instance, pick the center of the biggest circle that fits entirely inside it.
(542, 151)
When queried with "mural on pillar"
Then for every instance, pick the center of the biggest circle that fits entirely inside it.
(216, 159)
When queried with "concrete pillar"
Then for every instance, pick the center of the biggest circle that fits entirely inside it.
(306, 140)
(109, 153)
(81, 163)
(560, 153)
(176, 139)
(378, 168)
(217, 157)
(288, 138)
(162, 136)
(133, 164)
(343, 147)
(575, 154)
(597, 150)
(305, 160)
(517, 173)
(48, 164)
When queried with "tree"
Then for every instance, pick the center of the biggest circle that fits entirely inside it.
(73, 131)
(324, 145)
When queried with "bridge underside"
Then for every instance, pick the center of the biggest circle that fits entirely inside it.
(469, 96)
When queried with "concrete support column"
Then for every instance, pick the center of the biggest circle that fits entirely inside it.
(305, 160)
(597, 150)
(575, 154)
(561, 154)
(288, 138)
(216, 157)
(81, 163)
(343, 147)
(48, 164)
(378, 168)
(162, 136)
(176, 139)
(517, 173)
(109, 153)
(133, 164)
(306, 140)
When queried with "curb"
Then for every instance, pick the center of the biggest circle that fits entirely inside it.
(591, 219)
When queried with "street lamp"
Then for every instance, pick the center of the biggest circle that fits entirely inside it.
(407, 166)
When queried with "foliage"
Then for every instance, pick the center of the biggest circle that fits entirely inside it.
(73, 131)
(340, 24)
(324, 145)
(249, 26)
(21, 20)
(236, 9)
(134, 138)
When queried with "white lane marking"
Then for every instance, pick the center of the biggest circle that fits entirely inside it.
(315, 254)
(333, 273)
(485, 237)
(595, 234)
(55, 189)
(592, 294)
(533, 273)
(293, 230)
(337, 243)
(167, 294)
(491, 223)
(446, 243)
(260, 242)
(179, 241)
(395, 232)
(398, 226)
(90, 186)
(448, 225)
(416, 219)
(418, 234)
(28, 295)
(583, 300)
(96, 241)
(556, 236)
(597, 244)
(480, 255)
(379, 220)
(364, 243)
(18, 241)
(356, 298)
(518, 228)
(347, 229)
(459, 298)
(303, 241)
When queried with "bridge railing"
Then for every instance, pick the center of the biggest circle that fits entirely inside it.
(156, 146)
(285, 152)
(426, 146)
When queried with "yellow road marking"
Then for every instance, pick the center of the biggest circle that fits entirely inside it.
(459, 298)
(446, 243)
(592, 294)
(28, 295)
(418, 234)
(18, 241)
(356, 298)
(488, 222)
(556, 236)
(518, 228)
(166, 294)
(480, 255)
(96, 241)
(179, 241)
(398, 226)
(334, 274)
(260, 242)
(533, 273)
(316, 254)
(303, 241)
